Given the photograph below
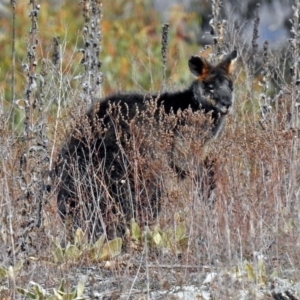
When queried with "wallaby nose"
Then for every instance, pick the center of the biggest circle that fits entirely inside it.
(223, 104)
(224, 95)
(226, 101)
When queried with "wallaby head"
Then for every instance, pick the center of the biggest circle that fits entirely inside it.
(213, 87)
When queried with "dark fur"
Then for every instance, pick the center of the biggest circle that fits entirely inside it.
(104, 180)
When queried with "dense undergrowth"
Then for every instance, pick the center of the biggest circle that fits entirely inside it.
(246, 233)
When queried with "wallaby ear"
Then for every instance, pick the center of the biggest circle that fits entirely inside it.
(228, 62)
(199, 66)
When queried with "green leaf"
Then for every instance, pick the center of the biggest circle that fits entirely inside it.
(57, 294)
(111, 249)
(36, 292)
(57, 251)
(95, 251)
(262, 272)
(183, 243)
(58, 255)
(67, 296)
(61, 287)
(72, 295)
(236, 272)
(250, 271)
(157, 238)
(18, 267)
(100, 242)
(24, 292)
(180, 232)
(31, 295)
(39, 291)
(135, 231)
(79, 236)
(72, 252)
(147, 236)
(11, 272)
(168, 239)
(3, 272)
(80, 286)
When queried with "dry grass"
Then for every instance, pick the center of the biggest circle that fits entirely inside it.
(245, 230)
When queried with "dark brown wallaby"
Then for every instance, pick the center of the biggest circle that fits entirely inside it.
(97, 185)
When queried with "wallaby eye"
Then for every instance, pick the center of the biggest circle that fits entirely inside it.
(210, 88)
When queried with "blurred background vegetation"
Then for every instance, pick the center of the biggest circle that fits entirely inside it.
(131, 38)
(131, 43)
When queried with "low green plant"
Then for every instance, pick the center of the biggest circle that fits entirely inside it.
(61, 293)
(12, 271)
(257, 273)
(98, 251)
(172, 239)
